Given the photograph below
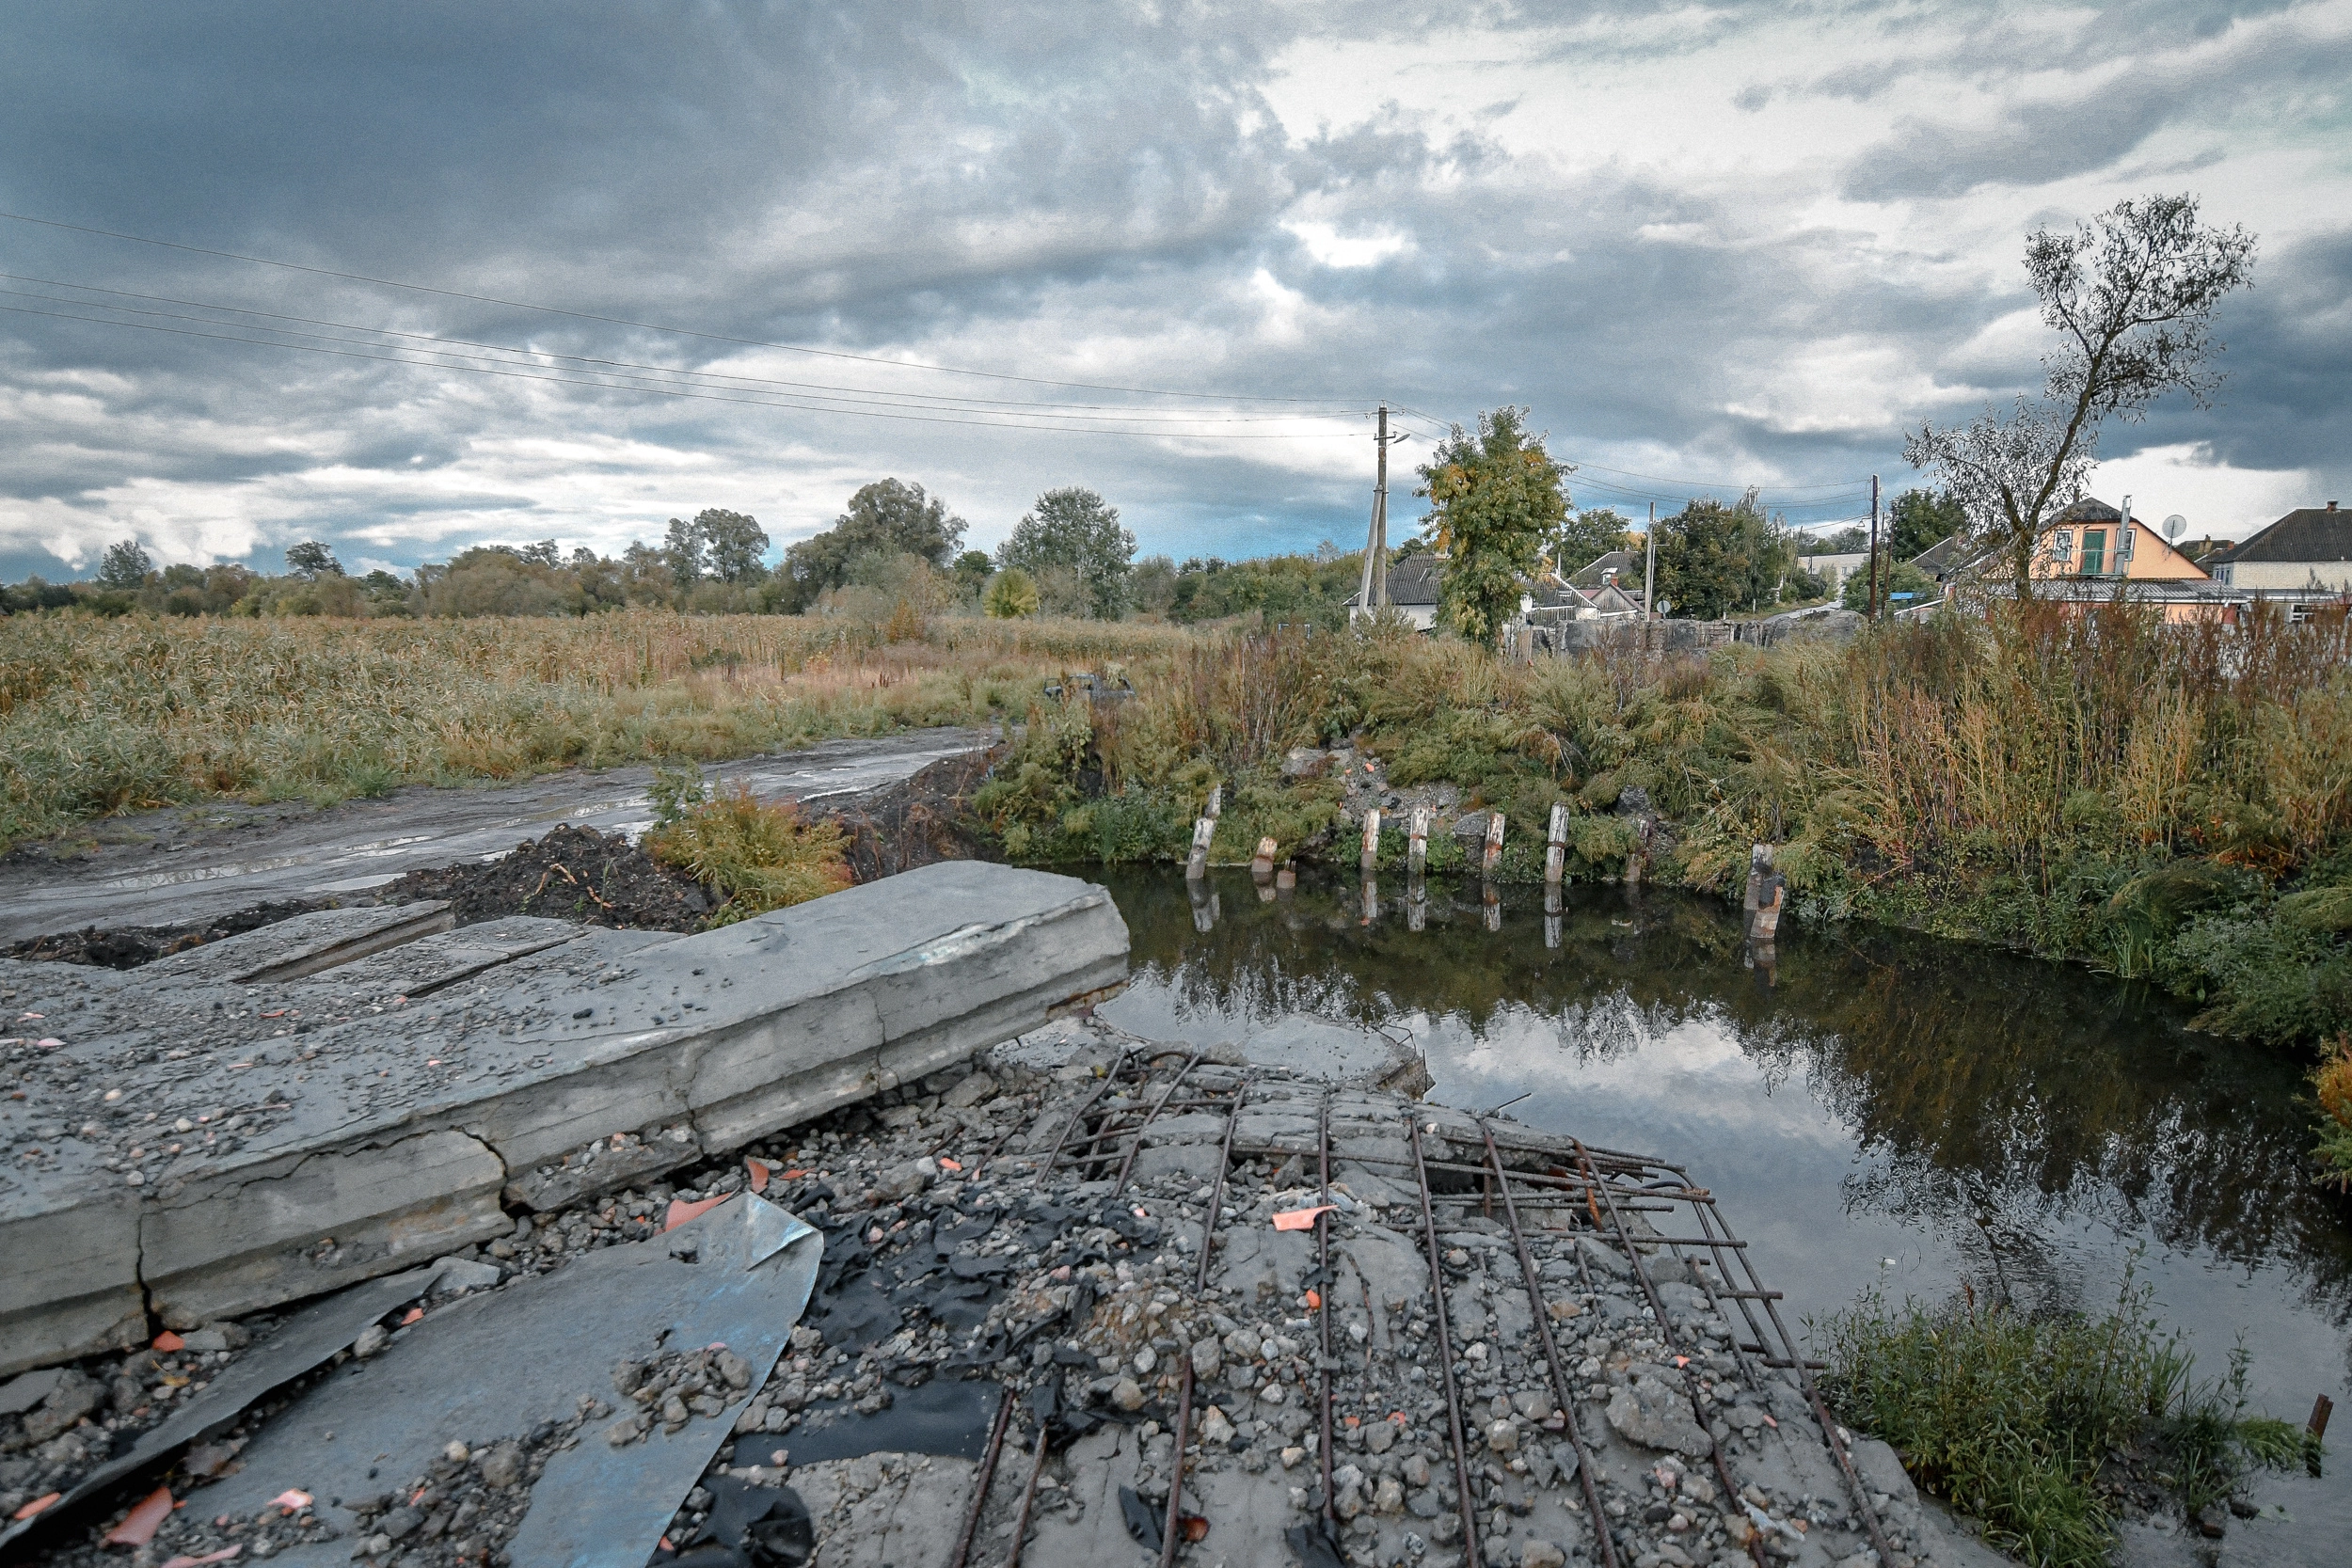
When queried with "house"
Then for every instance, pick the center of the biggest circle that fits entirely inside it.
(1942, 558)
(1836, 567)
(1412, 589)
(2307, 551)
(2091, 539)
(1622, 568)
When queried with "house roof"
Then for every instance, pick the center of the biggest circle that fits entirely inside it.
(2090, 508)
(2306, 533)
(1412, 580)
(1610, 601)
(1620, 562)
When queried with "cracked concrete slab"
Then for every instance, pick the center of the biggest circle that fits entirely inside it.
(201, 1145)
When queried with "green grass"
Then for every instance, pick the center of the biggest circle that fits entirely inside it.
(2023, 1422)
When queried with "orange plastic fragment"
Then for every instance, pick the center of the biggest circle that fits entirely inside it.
(138, 1526)
(221, 1556)
(414, 1315)
(793, 1175)
(1315, 1301)
(291, 1501)
(945, 1164)
(1196, 1528)
(1301, 1219)
(37, 1505)
(758, 1169)
(680, 1212)
(1352, 1421)
(168, 1341)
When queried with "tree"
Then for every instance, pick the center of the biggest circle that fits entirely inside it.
(1714, 558)
(1011, 595)
(312, 559)
(733, 543)
(1586, 537)
(971, 572)
(887, 517)
(1895, 576)
(1494, 498)
(1076, 531)
(2132, 296)
(1919, 519)
(124, 565)
(685, 553)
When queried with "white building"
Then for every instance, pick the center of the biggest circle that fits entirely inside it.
(2309, 548)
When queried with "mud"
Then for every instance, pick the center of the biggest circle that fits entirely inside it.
(571, 873)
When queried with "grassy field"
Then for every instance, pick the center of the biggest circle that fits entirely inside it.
(104, 716)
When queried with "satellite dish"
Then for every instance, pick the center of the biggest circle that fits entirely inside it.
(2174, 527)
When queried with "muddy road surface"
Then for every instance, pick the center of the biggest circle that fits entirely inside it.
(183, 863)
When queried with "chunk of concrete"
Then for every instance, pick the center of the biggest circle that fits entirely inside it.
(347, 1136)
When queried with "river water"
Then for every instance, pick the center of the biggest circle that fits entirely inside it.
(1875, 1111)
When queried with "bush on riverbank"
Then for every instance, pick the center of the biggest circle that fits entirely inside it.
(2044, 1428)
(2171, 804)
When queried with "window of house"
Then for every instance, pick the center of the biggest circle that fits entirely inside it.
(2221, 575)
(2297, 613)
(2095, 551)
(2062, 547)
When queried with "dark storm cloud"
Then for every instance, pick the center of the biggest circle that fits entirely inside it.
(1106, 197)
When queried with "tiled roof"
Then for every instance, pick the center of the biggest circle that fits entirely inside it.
(2306, 533)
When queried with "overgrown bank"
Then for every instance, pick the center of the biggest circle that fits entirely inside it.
(2171, 804)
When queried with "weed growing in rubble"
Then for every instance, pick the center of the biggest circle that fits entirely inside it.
(756, 855)
(2040, 1426)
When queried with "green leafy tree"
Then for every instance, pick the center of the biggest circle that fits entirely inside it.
(313, 560)
(1075, 531)
(887, 517)
(1714, 558)
(685, 553)
(1895, 576)
(1920, 519)
(1586, 537)
(1494, 498)
(124, 566)
(1011, 595)
(733, 543)
(973, 569)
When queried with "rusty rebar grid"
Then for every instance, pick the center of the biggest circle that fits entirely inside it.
(986, 1479)
(1470, 1554)
(1560, 1390)
(1171, 1528)
(1323, 1269)
(1028, 1500)
(1135, 1145)
(1119, 1065)
(1690, 1380)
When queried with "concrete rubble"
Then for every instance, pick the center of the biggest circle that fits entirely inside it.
(351, 1092)
(1012, 1245)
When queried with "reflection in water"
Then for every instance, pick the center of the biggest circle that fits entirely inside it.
(2016, 1124)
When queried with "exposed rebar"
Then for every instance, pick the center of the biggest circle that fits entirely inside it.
(1470, 1553)
(981, 1483)
(1200, 1283)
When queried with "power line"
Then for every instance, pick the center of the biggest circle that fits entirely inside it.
(644, 327)
(1444, 428)
(1332, 408)
(771, 401)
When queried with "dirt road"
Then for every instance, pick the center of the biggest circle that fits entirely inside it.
(187, 863)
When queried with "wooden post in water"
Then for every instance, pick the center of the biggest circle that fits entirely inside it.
(1204, 910)
(1261, 863)
(1556, 847)
(1417, 845)
(1493, 902)
(1371, 899)
(1494, 844)
(1371, 858)
(1203, 829)
(1552, 917)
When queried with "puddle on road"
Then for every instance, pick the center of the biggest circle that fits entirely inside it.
(1874, 1110)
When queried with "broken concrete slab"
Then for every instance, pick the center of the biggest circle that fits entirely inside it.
(199, 1145)
(304, 946)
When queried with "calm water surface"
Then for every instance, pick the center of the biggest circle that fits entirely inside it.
(1874, 1110)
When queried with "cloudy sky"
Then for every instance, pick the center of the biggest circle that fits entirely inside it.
(1174, 252)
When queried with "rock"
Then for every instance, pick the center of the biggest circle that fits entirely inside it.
(1270, 1394)
(904, 1181)
(204, 1340)
(1748, 1418)
(467, 1273)
(74, 1396)
(1652, 1414)
(731, 1367)
(673, 1412)
(1881, 1471)
(502, 1466)
(1416, 1468)
(1541, 1554)
(21, 1394)
(1388, 1498)
(1503, 1438)
(1127, 1394)
(1291, 1455)
(1216, 1430)
(1380, 1436)
(1147, 1360)
(399, 1524)
(1564, 1458)
(969, 1092)
(1532, 1404)
(1304, 762)
(1241, 1344)
(1447, 1531)
(1347, 1501)
(372, 1338)
(1208, 1358)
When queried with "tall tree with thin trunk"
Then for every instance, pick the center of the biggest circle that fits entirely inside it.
(1494, 498)
(2132, 296)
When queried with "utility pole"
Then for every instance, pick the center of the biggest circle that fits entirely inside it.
(1375, 592)
(1874, 547)
(1649, 566)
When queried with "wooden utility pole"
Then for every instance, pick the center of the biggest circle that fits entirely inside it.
(1649, 566)
(1874, 547)
(1375, 592)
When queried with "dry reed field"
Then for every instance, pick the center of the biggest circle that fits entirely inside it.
(102, 716)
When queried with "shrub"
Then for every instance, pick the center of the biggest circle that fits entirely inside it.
(757, 856)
